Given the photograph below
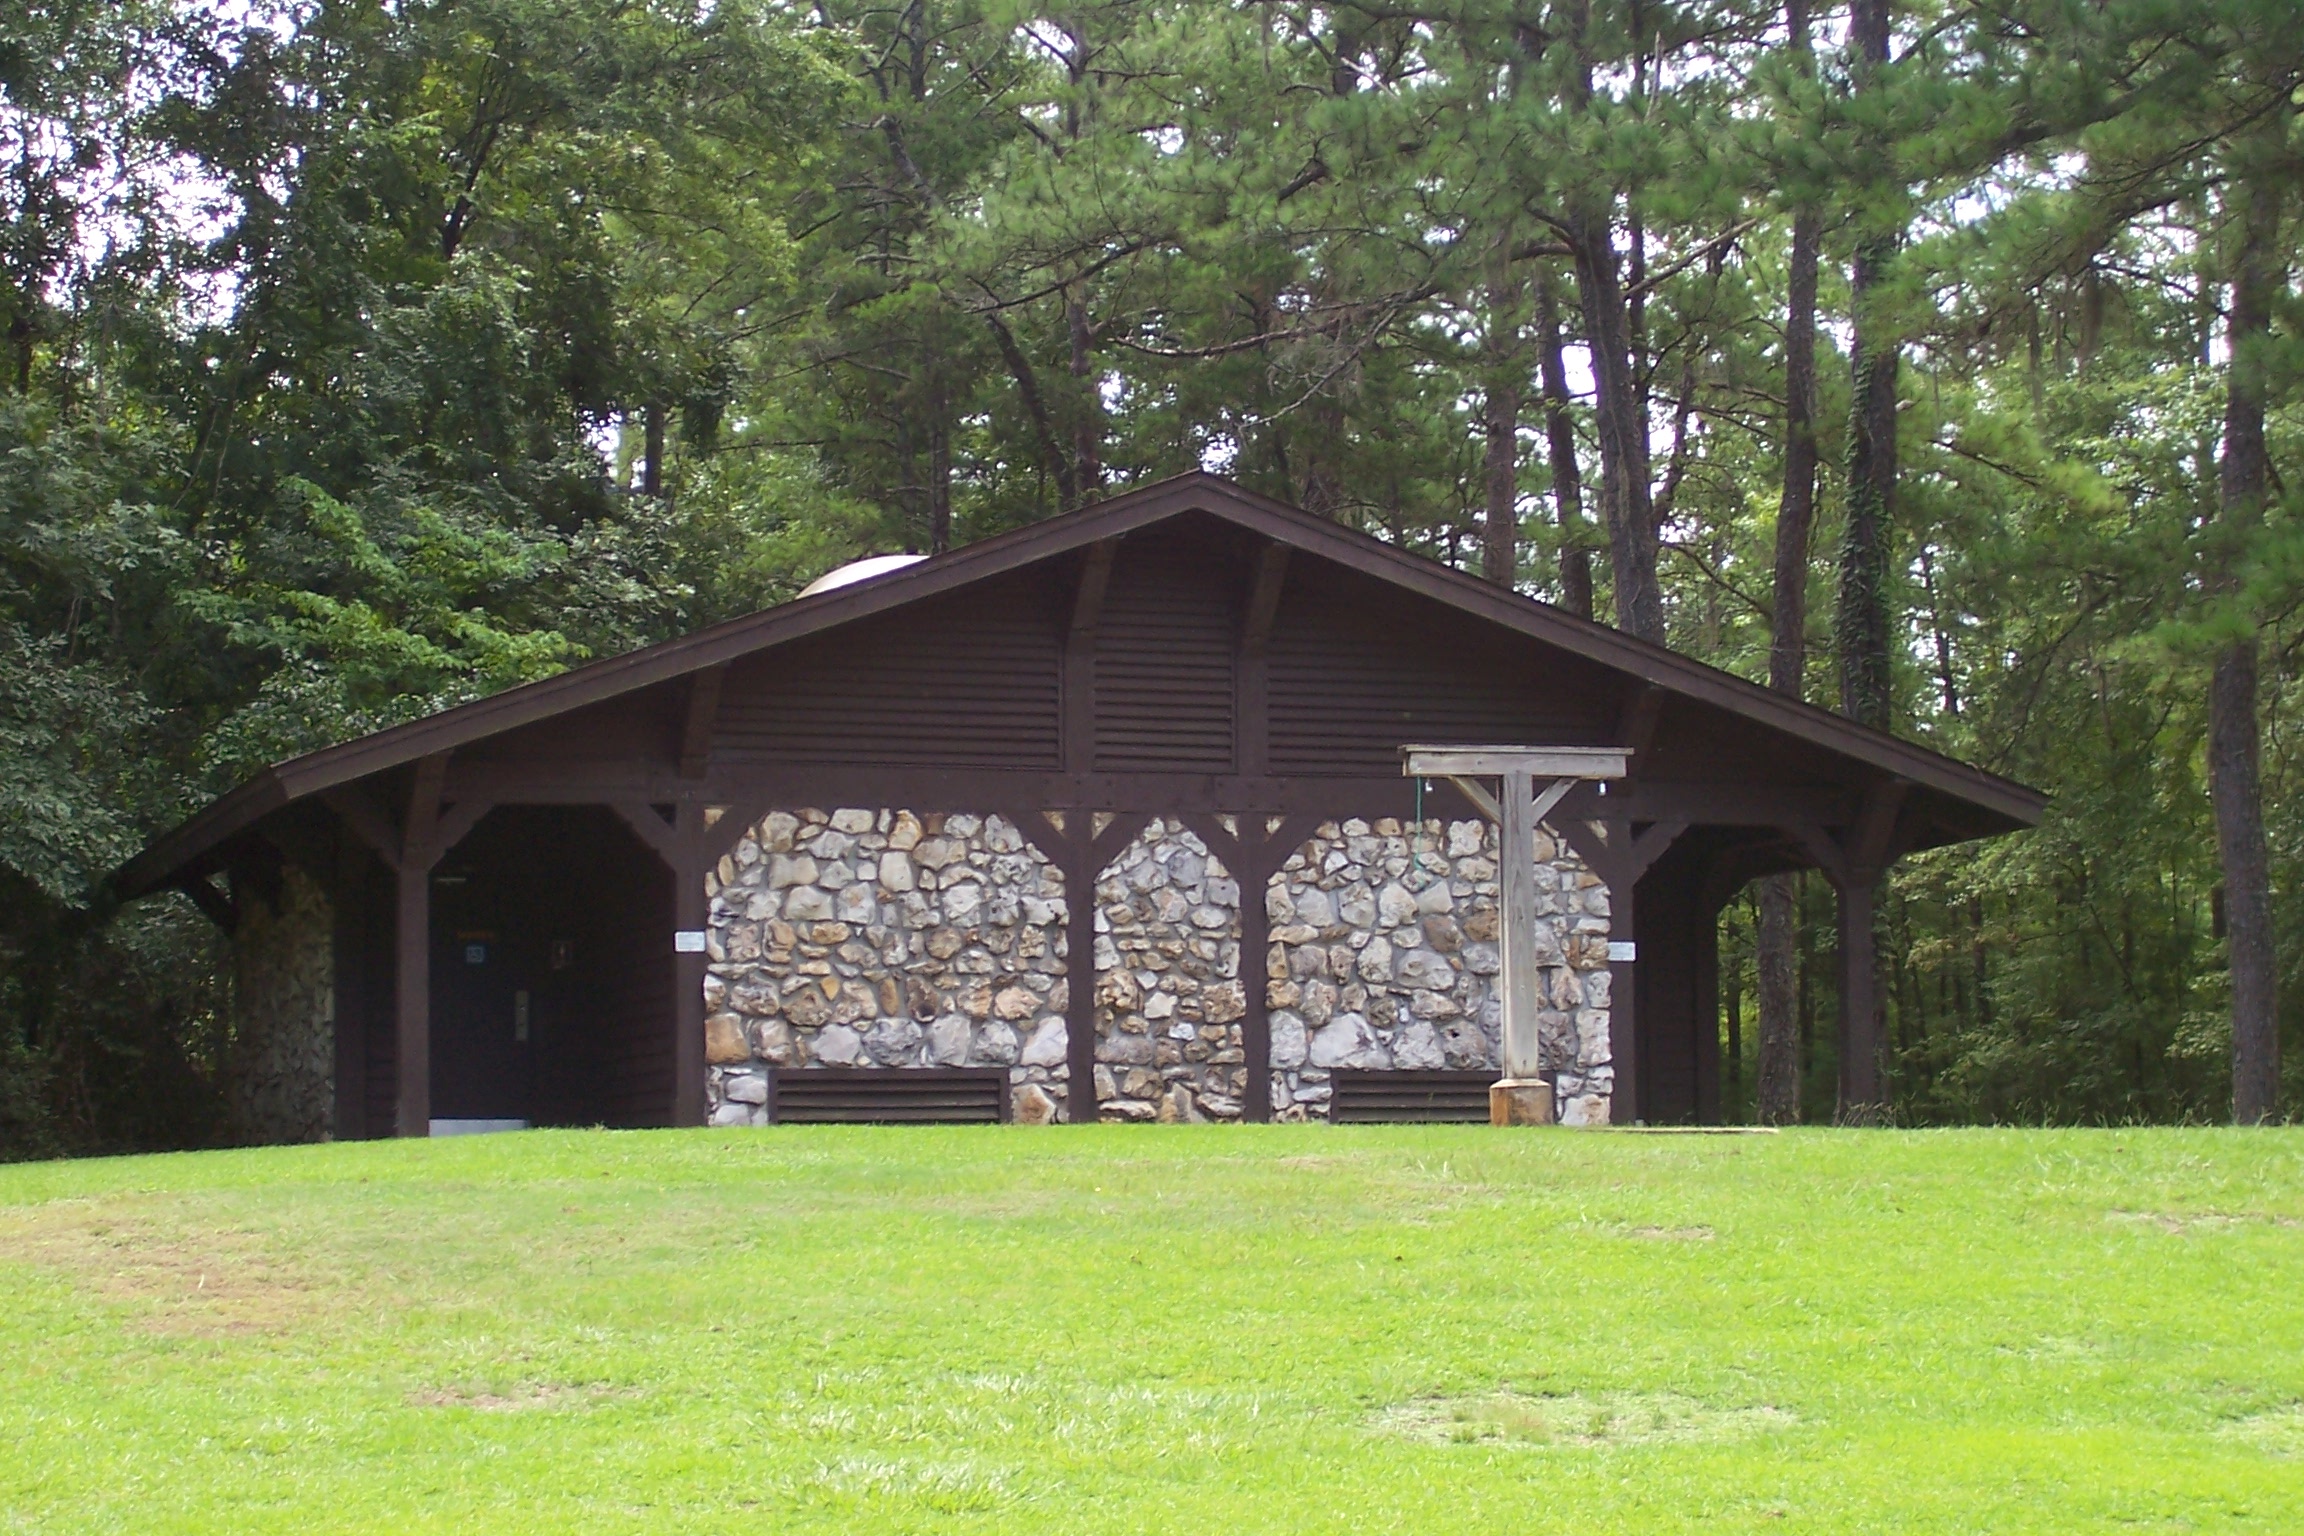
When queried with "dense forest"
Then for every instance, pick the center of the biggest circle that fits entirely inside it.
(1933, 360)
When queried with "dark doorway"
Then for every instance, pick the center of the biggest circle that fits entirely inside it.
(552, 972)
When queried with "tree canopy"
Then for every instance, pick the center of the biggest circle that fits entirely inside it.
(1935, 360)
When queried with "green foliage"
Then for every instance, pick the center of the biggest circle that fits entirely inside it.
(362, 359)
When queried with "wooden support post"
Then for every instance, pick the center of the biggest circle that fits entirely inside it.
(1623, 879)
(1861, 1098)
(1855, 862)
(1522, 1096)
(1080, 977)
(1522, 982)
(688, 963)
(412, 980)
(412, 1000)
(684, 844)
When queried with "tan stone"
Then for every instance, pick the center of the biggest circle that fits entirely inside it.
(828, 933)
(1520, 1101)
(724, 1042)
(891, 998)
(1014, 1003)
(772, 1041)
(975, 1000)
(904, 834)
(1033, 1106)
(808, 1007)
(1480, 925)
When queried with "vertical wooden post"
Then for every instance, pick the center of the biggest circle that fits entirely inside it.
(1080, 974)
(1516, 887)
(1253, 870)
(688, 917)
(412, 999)
(412, 988)
(1861, 1097)
(1623, 980)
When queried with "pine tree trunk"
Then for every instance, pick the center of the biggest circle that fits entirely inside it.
(1503, 368)
(1625, 496)
(1862, 621)
(1560, 448)
(1500, 519)
(939, 485)
(2234, 779)
(1777, 1081)
(1088, 428)
(652, 451)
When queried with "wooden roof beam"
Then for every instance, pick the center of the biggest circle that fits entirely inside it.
(703, 712)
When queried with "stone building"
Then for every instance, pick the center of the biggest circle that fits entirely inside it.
(1108, 812)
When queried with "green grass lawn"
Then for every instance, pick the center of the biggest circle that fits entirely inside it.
(1190, 1329)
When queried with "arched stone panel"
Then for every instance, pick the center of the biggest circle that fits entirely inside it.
(1169, 1003)
(884, 938)
(1384, 956)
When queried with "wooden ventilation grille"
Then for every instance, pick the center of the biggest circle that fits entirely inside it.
(1164, 662)
(1361, 1097)
(890, 1096)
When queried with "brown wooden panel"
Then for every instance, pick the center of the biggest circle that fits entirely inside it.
(971, 679)
(1357, 670)
(874, 1096)
(1676, 1013)
(1164, 654)
(1359, 1096)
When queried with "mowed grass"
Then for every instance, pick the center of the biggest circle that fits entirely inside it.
(1190, 1329)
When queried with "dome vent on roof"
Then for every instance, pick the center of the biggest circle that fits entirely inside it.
(859, 570)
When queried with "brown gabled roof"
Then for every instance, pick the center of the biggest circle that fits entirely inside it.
(606, 679)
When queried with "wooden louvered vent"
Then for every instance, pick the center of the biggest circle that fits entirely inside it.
(967, 680)
(889, 1096)
(1356, 673)
(1164, 661)
(1377, 1097)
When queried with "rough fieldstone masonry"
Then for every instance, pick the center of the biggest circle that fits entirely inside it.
(1168, 998)
(283, 1067)
(1384, 955)
(875, 937)
(889, 939)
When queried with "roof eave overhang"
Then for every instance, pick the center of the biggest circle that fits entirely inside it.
(613, 677)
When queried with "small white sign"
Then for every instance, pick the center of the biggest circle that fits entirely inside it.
(1622, 951)
(690, 941)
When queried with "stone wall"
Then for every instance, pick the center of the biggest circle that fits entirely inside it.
(887, 938)
(1385, 955)
(884, 938)
(282, 1078)
(1168, 999)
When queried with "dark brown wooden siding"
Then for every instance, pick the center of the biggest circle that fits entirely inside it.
(1164, 656)
(968, 680)
(635, 1018)
(1359, 670)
